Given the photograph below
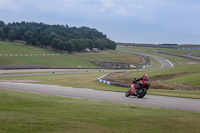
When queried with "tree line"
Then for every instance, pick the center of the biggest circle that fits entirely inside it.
(61, 37)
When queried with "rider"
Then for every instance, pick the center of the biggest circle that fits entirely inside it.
(145, 82)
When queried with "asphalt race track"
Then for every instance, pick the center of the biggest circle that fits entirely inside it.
(118, 97)
(165, 63)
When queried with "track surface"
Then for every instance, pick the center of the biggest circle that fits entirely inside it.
(164, 62)
(118, 97)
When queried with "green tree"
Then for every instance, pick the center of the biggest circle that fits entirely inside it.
(100, 43)
(28, 37)
(44, 40)
(54, 43)
(112, 45)
(1, 33)
(18, 34)
(2, 24)
(76, 44)
(90, 44)
(69, 46)
(11, 35)
(61, 45)
(51, 36)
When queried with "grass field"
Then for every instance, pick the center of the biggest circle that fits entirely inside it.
(27, 112)
(110, 56)
(20, 48)
(54, 61)
(61, 61)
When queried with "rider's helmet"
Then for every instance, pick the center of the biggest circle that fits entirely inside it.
(145, 75)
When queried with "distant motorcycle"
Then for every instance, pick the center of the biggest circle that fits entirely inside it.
(140, 93)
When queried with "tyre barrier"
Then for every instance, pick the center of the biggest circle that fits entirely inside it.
(145, 66)
(104, 81)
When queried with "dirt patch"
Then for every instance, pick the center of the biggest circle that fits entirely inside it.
(19, 81)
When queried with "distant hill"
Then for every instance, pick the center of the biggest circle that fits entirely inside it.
(61, 37)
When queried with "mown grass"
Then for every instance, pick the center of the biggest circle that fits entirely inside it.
(187, 79)
(65, 61)
(110, 56)
(58, 61)
(27, 112)
(20, 48)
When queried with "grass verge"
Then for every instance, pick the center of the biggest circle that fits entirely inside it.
(28, 112)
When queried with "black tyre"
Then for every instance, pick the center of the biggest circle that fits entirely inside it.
(141, 92)
(127, 94)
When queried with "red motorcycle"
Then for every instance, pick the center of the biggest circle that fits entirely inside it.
(140, 92)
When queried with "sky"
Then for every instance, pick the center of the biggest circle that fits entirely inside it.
(129, 21)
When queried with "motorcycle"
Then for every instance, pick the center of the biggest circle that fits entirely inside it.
(140, 92)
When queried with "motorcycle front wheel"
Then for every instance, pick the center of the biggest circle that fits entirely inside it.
(127, 94)
(141, 92)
